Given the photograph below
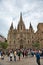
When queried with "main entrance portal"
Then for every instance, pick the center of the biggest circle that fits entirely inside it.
(21, 44)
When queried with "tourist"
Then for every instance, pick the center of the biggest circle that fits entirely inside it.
(14, 55)
(23, 53)
(38, 57)
(11, 55)
(2, 55)
(19, 54)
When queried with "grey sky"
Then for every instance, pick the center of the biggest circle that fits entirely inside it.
(32, 11)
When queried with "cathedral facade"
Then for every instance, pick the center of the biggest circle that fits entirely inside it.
(24, 38)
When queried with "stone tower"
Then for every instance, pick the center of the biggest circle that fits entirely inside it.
(21, 26)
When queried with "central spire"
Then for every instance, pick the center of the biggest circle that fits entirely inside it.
(21, 25)
(21, 16)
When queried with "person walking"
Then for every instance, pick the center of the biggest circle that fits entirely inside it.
(19, 54)
(38, 57)
(11, 55)
(23, 53)
(14, 55)
(2, 55)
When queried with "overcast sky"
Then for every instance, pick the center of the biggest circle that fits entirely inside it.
(32, 11)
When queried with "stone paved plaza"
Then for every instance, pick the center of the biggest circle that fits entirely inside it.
(23, 61)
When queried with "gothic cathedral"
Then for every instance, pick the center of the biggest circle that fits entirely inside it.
(24, 38)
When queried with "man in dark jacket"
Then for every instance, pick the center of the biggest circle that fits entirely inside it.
(38, 58)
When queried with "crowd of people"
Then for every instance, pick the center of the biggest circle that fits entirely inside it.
(14, 53)
(18, 52)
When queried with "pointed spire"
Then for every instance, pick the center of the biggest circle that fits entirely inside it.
(31, 28)
(30, 25)
(21, 23)
(21, 16)
(11, 26)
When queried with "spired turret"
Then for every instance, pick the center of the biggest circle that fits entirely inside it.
(10, 36)
(21, 25)
(30, 25)
(31, 28)
(11, 27)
